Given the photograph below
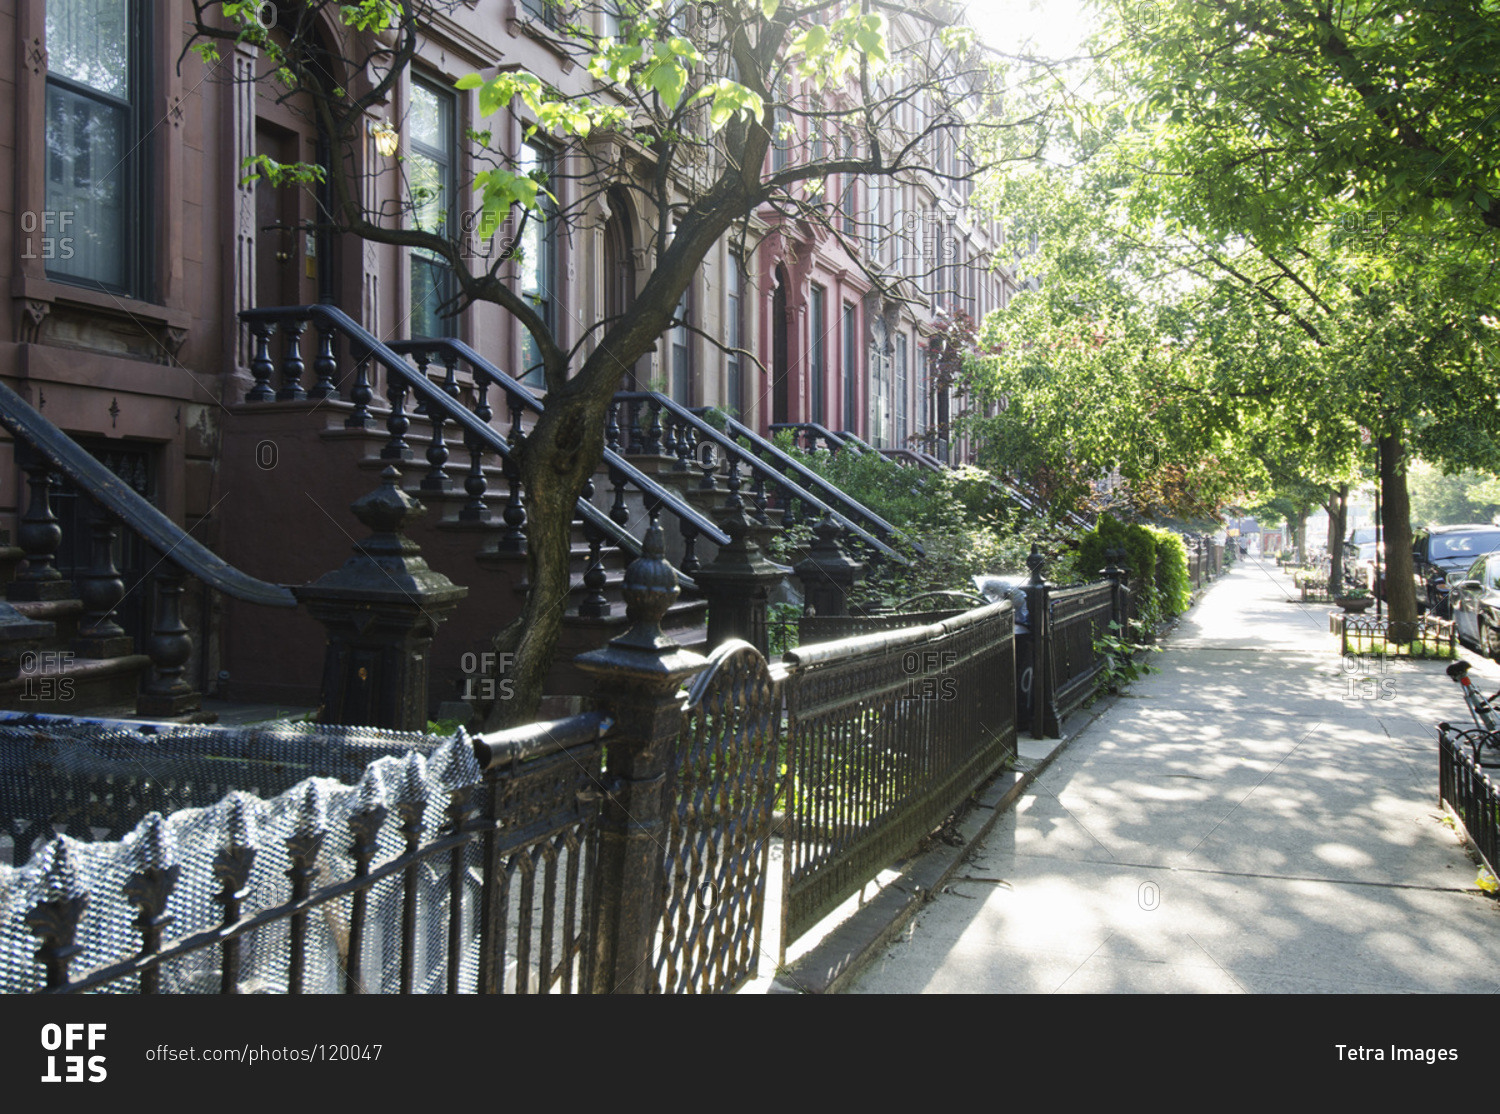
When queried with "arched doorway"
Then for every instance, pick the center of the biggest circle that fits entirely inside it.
(296, 260)
(619, 271)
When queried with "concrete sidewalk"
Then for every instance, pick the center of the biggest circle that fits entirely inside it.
(1258, 817)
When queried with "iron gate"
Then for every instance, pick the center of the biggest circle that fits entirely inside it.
(718, 838)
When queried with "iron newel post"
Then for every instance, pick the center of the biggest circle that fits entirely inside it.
(1041, 631)
(638, 680)
(381, 610)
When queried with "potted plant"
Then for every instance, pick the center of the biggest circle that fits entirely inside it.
(1354, 599)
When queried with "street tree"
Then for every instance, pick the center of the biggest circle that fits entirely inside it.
(714, 120)
(1320, 161)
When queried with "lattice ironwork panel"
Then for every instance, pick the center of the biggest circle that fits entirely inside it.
(724, 783)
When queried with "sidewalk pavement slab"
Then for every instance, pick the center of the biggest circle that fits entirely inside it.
(1260, 816)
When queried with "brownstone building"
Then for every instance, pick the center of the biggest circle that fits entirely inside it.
(133, 239)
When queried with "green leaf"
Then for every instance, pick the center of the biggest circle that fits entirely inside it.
(669, 79)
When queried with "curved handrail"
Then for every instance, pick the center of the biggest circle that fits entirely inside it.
(831, 439)
(688, 417)
(528, 401)
(537, 740)
(811, 478)
(434, 396)
(154, 528)
(856, 442)
(916, 457)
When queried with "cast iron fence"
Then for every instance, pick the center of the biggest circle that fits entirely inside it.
(466, 865)
(887, 734)
(1077, 618)
(718, 836)
(461, 870)
(1471, 796)
(1369, 634)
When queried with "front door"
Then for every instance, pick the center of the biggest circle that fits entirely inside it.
(780, 388)
(293, 256)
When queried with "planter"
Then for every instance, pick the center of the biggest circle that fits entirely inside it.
(1355, 604)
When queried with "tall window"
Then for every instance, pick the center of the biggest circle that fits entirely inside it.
(819, 311)
(902, 392)
(850, 201)
(682, 355)
(93, 230)
(734, 335)
(430, 167)
(899, 230)
(879, 427)
(609, 21)
(538, 270)
(851, 364)
(780, 141)
(543, 11)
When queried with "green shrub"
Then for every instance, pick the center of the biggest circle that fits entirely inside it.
(1173, 581)
(964, 523)
(1157, 558)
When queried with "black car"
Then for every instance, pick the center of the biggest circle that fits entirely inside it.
(1445, 552)
(1476, 605)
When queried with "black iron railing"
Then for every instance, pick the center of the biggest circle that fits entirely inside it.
(656, 424)
(718, 833)
(465, 870)
(1077, 619)
(44, 452)
(808, 435)
(449, 353)
(437, 402)
(886, 734)
(1466, 790)
(871, 524)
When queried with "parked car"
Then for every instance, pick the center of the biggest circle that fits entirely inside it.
(1444, 552)
(1360, 567)
(1476, 605)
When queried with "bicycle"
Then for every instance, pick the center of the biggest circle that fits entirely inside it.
(1483, 739)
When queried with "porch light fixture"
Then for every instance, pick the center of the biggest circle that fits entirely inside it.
(386, 137)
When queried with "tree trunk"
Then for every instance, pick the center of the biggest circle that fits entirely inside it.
(553, 479)
(1400, 587)
(1299, 534)
(1338, 515)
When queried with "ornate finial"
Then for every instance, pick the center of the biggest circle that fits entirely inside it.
(312, 816)
(1035, 562)
(387, 509)
(59, 878)
(240, 823)
(413, 787)
(55, 918)
(372, 789)
(650, 589)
